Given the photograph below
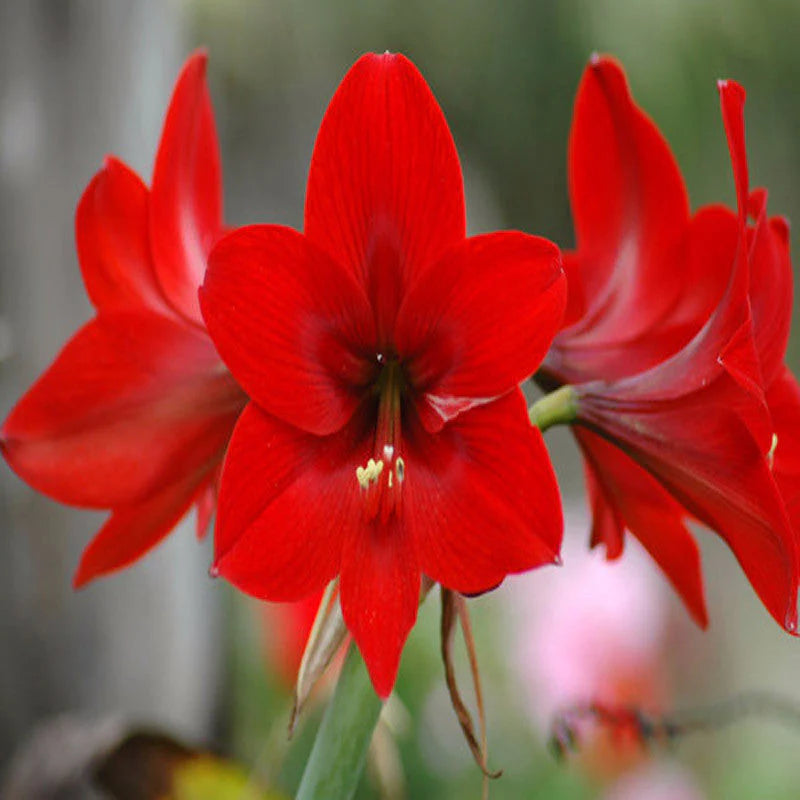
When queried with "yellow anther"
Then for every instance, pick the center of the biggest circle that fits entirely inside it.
(772, 448)
(400, 469)
(369, 474)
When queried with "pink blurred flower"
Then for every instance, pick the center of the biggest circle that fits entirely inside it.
(656, 781)
(595, 632)
(582, 633)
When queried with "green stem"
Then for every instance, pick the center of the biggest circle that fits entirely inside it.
(557, 408)
(337, 759)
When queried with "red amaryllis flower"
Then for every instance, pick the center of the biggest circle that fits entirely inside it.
(678, 400)
(382, 350)
(135, 412)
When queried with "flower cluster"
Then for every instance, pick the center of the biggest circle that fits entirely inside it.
(347, 398)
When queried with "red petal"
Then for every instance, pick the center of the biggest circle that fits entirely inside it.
(287, 502)
(732, 97)
(207, 505)
(385, 195)
(608, 527)
(771, 288)
(702, 452)
(291, 324)
(784, 405)
(770, 276)
(134, 530)
(711, 253)
(713, 239)
(644, 507)
(577, 302)
(134, 400)
(479, 321)
(481, 497)
(629, 205)
(380, 587)
(186, 198)
(113, 242)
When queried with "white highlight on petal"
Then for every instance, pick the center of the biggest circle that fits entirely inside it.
(448, 407)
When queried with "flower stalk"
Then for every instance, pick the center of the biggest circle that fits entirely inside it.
(557, 408)
(340, 750)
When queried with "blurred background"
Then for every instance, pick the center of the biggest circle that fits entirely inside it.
(162, 644)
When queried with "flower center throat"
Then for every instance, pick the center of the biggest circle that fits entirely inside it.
(381, 478)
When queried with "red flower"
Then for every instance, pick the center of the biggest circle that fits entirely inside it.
(675, 378)
(382, 350)
(135, 412)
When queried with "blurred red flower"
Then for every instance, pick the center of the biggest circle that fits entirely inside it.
(286, 627)
(135, 412)
(382, 350)
(676, 326)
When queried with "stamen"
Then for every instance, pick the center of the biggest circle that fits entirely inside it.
(369, 474)
(772, 448)
(382, 487)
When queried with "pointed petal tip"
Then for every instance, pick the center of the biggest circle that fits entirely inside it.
(382, 670)
(82, 576)
(784, 224)
(790, 622)
(376, 59)
(728, 87)
(600, 62)
(198, 60)
(110, 162)
(382, 674)
(700, 616)
(112, 166)
(382, 687)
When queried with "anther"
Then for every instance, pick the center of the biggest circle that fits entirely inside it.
(369, 474)
(772, 448)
